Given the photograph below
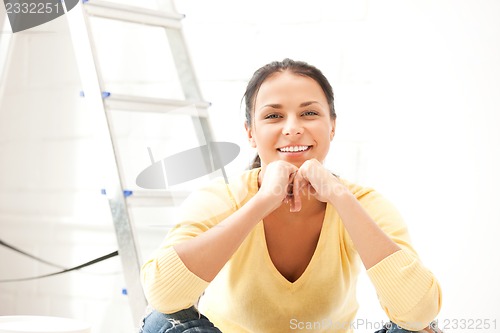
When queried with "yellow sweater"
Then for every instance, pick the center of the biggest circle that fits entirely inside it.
(250, 295)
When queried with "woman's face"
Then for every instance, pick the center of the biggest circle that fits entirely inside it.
(291, 120)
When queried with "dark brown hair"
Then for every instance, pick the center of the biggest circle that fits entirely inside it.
(295, 67)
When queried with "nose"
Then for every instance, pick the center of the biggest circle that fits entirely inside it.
(293, 127)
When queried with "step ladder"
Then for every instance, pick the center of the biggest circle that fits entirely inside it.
(100, 101)
(5, 48)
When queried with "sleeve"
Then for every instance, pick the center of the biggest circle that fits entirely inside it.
(169, 286)
(408, 292)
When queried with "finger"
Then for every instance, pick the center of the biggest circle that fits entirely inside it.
(292, 171)
(295, 205)
(301, 181)
(290, 197)
(298, 184)
(311, 172)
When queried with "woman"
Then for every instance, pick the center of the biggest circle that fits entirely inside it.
(277, 248)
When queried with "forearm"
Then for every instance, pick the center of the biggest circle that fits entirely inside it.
(408, 292)
(206, 254)
(371, 243)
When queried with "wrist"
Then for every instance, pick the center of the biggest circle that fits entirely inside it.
(339, 193)
(264, 204)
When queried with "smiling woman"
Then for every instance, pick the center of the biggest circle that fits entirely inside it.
(281, 243)
(291, 120)
(312, 80)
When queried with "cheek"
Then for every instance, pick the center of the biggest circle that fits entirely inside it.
(321, 130)
(265, 133)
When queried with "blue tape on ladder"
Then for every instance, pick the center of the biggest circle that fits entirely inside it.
(126, 193)
(104, 94)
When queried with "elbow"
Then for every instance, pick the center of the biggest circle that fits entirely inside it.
(160, 291)
(150, 282)
(169, 286)
(423, 313)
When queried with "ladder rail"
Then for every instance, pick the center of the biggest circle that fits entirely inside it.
(7, 41)
(92, 84)
(191, 90)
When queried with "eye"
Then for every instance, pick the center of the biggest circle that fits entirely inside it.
(310, 113)
(272, 116)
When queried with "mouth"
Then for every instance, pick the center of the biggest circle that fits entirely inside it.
(294, 149)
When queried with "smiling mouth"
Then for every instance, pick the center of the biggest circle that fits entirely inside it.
(294, 149)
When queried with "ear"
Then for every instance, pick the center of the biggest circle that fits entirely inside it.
(251, 139)
(332, 133)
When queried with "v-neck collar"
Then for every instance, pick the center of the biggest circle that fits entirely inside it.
(325, 226)
(310, 266)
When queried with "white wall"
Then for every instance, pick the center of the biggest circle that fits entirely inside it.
(416, 86)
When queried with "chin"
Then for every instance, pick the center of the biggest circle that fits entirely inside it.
(298, 164)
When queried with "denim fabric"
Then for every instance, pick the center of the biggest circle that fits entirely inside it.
(393, 328)
(191, 321)
(184, 321)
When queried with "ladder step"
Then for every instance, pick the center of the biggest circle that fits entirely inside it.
(151, 104)
(133, 14)
(145, 198)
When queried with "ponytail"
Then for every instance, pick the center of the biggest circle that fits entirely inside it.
(255, 163)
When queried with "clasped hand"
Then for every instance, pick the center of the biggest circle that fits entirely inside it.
(284, 182)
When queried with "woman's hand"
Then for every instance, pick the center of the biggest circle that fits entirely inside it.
(276, 183)
(313, 178)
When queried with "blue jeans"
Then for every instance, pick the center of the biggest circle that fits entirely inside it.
(184, 321)
(191, 321)
(392, 328)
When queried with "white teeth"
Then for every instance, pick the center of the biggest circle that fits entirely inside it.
(293, 149)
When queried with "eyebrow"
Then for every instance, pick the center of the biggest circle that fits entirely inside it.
(279, 106)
